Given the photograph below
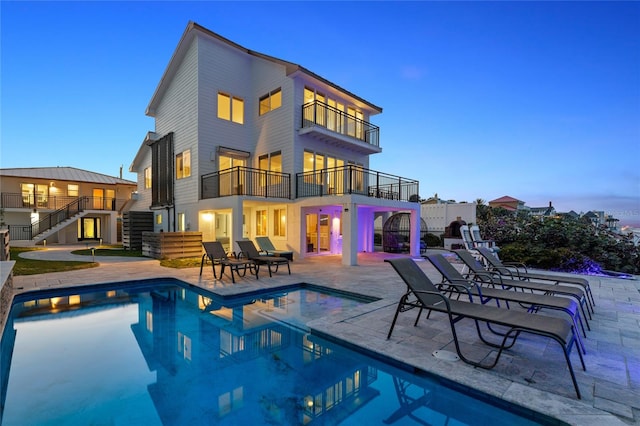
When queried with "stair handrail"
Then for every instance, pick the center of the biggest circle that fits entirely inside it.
(56, 217)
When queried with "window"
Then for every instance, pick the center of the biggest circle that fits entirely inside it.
(73, 190)
(261, 222)
(147, 178)
(183, 164)
(270, 101)
(158, 219)
(280, 222)
(181, 222)
(230, 108)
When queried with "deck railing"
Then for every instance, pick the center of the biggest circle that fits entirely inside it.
(320, 114)
(353, 179)
(10, 200)
(245, 181)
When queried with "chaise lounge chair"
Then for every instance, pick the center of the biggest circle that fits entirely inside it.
(249, 251)
(456, 282)
(478, 241)
(482, 274)
(214, 251)
(267, 246)
(519, 271)
(422, 294)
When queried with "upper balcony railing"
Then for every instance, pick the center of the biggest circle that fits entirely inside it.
(353, 179)
(317, 113)
(12, 200)
(245, 181)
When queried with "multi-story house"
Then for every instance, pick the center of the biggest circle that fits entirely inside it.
(248, 145)
(62, 204)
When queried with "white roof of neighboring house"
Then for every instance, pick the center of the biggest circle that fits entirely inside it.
(64, 173)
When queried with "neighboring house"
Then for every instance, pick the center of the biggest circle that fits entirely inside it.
(597, 218)
(439, 215)
(508, 203)
(248, 145)
(543, 212)
(62, 204)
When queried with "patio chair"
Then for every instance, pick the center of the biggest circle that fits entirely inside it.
(267, 246)
(519, 271)
(214, 251)
(481, 273)
(422, 294)
(467, 240)
(249, 251)
(478, 241)
(454, 281)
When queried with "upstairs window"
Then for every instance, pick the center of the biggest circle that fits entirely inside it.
(73, 190)
(183, 164)
(147, 178)
(270, 101)
(230, 108)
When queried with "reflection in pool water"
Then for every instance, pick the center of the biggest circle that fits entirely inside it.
(166, 354)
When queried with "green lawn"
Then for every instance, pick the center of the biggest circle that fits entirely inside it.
(33, 267)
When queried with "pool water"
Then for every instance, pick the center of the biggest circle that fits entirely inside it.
(166, 354)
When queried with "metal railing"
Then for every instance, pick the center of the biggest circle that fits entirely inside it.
(52, 219)
(245, 181)
(352, 179)
(320, 114)
(55, 202)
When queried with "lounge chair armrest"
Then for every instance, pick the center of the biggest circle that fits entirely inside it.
(516, 265)
(444, 298)
(487, 278)
(464, 286)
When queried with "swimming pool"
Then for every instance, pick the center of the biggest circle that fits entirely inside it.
(161, 352)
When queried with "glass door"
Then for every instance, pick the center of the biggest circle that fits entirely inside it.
(318, 233)
(98, 199)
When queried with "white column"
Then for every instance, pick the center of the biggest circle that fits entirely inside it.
(414, 237)
(236, 224)
(350, 234)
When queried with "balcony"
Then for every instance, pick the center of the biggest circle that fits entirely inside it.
(9, 200)
(336, 127)
(245, 181)
(352, 179)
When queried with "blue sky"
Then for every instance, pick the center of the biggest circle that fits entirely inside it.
(536, 100)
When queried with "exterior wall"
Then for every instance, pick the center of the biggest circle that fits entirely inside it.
(221, 68)
(274, 130)
(439, 216)
(177, 112)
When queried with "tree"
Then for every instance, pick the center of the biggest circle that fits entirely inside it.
(562, 244)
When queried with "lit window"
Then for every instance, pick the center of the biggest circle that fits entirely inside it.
(280, 222)
(181, 222)
(73, 190)
(261, 222)
(230, 108)
(147, 177)
(270, 101)
(183, 164)
(159, 219)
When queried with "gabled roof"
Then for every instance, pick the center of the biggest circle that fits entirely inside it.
(64, 173)
(505, 199)
(183, 46)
